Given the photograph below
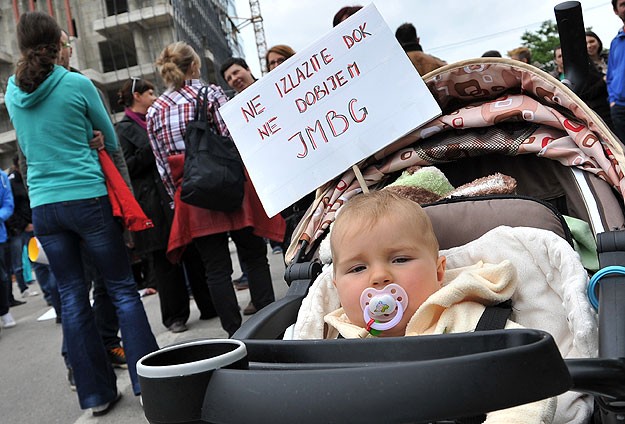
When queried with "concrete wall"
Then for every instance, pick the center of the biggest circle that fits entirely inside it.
(148, 23)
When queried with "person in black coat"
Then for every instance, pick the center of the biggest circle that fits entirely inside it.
(594, 91)
(137, 95)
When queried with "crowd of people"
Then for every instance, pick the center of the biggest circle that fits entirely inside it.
(57, 191)
(60, 193)
(604, 88)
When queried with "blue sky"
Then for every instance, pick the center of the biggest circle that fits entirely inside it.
(450, 29)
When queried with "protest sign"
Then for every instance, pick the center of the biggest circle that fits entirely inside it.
(342, 99)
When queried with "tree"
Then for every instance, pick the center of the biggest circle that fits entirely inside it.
(542, 42)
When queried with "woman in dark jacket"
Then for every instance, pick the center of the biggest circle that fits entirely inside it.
(137, 95)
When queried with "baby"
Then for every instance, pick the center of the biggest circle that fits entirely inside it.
(389, 275)
(380, 239)
(389, 278)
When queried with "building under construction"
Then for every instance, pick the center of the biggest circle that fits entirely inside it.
(113, 40)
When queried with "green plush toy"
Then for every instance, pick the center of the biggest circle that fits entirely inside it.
(429, 178)
(422, 185)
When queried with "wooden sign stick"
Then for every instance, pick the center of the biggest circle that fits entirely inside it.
(360, 179)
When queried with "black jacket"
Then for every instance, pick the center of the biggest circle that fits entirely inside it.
(595, 94)
(22, 215)
(147, 185)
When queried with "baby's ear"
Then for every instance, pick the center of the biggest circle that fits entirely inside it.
(440, 268)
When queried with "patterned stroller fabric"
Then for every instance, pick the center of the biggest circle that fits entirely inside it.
(495, 106)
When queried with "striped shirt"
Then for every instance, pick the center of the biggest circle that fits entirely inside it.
(167, 123)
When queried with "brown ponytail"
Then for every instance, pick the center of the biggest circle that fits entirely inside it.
(38, 37)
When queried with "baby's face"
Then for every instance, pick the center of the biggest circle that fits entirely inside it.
(392, 251)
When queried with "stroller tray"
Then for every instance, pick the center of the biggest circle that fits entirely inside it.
(411, 379)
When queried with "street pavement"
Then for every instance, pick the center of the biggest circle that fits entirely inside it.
(33, 378)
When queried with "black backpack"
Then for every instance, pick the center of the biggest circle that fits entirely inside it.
(213, 170)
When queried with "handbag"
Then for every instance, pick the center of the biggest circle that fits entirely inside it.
(213, 176)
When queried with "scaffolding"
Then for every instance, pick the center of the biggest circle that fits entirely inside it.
(206, 26)
(256, 19)
(259, 33)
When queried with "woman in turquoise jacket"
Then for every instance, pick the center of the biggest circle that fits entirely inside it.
(54, 113)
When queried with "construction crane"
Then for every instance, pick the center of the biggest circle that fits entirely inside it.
(256, 19)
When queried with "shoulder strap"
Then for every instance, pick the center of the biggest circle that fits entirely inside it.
(495, 317)
(203, 108)
(201, 104)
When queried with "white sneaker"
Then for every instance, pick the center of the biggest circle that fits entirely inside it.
(7, 320)
(29, 292)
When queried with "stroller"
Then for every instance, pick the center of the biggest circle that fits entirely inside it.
(498, 116)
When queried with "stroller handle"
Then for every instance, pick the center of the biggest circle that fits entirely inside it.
(573, 43)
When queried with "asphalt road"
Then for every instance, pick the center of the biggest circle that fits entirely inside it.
(33, 380)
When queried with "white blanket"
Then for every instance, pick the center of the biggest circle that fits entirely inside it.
(550, 296)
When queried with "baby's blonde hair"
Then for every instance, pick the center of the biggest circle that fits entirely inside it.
(174, 63)
(366, 209)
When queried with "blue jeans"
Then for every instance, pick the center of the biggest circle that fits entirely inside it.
(47, 282)
(103, 309)
(61, 227)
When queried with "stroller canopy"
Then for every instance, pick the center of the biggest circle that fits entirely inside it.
(493, 106)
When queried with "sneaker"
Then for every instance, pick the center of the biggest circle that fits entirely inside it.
(29, 292)
(70, 379)
(98, 411)
(118, 357)
(7, 320)
(277, 250)
(177, 327)
(16, 302)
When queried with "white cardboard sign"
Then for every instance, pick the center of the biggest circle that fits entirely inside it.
(337, 102)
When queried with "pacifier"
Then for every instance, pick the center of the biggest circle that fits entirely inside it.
(383, 309)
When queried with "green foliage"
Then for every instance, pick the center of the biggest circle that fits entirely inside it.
(542, 42)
